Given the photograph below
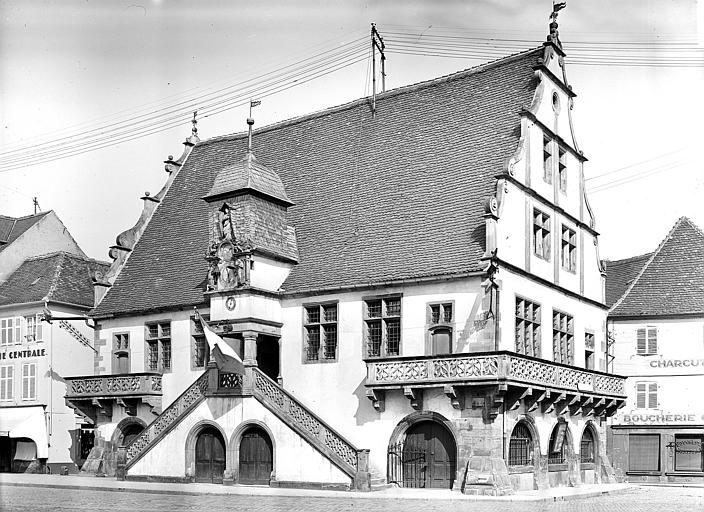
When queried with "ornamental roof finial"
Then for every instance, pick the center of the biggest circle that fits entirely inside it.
(553, 37)
(250, 122)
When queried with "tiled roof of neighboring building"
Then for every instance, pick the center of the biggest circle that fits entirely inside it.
(377, 199)
(12, 227)
(672, 281)
(620, 274)
(57, 277)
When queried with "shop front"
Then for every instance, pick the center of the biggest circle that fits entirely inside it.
(23, 440)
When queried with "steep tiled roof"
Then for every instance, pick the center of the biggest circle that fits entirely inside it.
(620, 274)
(398, 196)
(672, 281)
(249, 174)
(12, 227)
(59, 277)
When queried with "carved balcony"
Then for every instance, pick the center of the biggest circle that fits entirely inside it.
(95, 393)
(498, 379)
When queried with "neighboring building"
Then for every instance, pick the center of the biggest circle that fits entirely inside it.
(32, 235)
(37, 428)
(656, 322)
(411, 289)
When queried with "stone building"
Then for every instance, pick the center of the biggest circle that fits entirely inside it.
(44, 337)
(415, 291)
(656, 322)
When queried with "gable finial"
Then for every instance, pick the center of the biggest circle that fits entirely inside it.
(194, 122)
(553, 37)
(250, 122)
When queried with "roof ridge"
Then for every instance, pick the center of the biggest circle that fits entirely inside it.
(39, 214)
(380, 96)
(55, 279)
(56, 253)
(630, 258)
(647, 264)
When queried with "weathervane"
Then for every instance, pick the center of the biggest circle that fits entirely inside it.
(556, 7)
(194, 122)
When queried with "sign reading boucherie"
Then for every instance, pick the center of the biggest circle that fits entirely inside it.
(22, 354)
(658, 418)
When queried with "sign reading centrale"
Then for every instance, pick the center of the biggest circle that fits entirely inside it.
(22, 354)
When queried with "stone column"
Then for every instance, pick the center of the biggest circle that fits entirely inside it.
(121, 462)
(250, 348)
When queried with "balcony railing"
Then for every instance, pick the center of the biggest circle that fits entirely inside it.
(488, 367)
(133, 384)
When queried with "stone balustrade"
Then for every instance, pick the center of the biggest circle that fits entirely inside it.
(489, 367)
(109, 386)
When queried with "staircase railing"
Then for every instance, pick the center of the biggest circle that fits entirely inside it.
(167, 420)
(351, 460)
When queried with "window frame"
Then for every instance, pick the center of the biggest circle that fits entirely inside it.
(36, 328)
(631, 452)
(32, 381)
(160, 341)
(321, 325)
(384, 320)
(118, 347)
(649, 344)
(526, 456)
(683, 437)
(10, 334)
(541, 227)
(568, 334)
(589, 349)
(431, 326)
(562, 169)
(7, 383)
(590, 444)
(650, 394)
(533, 323)
(559, 461)
(198, 336)
(548, 153)
(568, 247)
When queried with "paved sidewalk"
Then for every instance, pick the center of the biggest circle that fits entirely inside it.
(111, 484)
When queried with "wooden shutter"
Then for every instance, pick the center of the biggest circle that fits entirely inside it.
(644, 452)
(640, 343)
(652, 395)
(652, 340)
(640, 395)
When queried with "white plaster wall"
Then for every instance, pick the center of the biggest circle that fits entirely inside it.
(295, 459)
(247, 305)
(585, 315)
(269, 274)
(677, 369)
(46, 236)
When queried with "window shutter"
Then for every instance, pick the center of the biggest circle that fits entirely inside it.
(652, 396)
(548, 242)
(652, 340)
(640, 396)
(640, 344)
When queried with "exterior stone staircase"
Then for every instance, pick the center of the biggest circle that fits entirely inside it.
(351, 460)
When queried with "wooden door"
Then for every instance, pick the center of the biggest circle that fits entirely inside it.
(210, 457)
(256, 457)
(429, 456)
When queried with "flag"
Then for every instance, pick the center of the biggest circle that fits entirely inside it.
(223, 354)
(254, 103)
(558, 6)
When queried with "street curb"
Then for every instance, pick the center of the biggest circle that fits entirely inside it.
(340, 495)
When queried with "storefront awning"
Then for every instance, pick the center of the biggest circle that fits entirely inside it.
(28, 422)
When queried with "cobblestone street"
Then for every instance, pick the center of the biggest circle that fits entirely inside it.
(18, 498)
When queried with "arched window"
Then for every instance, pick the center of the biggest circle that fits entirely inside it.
(558, 444)
(586, 446)
(520, 447)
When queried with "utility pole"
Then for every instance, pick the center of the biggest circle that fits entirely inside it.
(377, 44)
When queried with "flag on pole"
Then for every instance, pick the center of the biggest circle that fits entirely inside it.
(558, 6)
(254, 103)
(223, 354)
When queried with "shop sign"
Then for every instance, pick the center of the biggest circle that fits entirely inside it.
(22, 354)
(677, 363)
(645, 418)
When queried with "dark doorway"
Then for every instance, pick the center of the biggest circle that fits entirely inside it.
(256, 457)
(268, 356)
(5, 454)
(130, 432)
(210, 456)
(429, 457)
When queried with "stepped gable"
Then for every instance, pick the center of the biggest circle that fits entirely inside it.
(672, 281)
(12, 227)
(398, 196)
(620, 274)
(58, 277)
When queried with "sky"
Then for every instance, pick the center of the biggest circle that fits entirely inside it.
(69, 69)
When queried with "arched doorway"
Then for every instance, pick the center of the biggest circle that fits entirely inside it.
(130, 432)
(429, 456)
(256, 456)
(210, 456)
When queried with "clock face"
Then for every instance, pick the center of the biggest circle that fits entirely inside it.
(230, 303)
